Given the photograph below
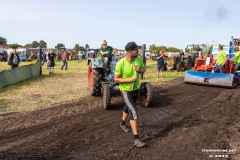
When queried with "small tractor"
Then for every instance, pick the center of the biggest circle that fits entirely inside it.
(101, 82)
(203, 72)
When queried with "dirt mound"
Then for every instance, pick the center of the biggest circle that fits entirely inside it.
(182, 121)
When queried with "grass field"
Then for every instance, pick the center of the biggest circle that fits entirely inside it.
(62, 87)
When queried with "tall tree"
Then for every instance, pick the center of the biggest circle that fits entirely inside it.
(3, 41)
(173, 49)
(59, 45)
(14, 45)
(35, 44)
(162, 48)
(28, 45)
(42, 44)
(87, 46)
(81, 48)
(76, 48)
(152, 48)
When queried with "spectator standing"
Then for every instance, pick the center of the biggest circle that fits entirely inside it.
(80, 56)
(64, 58)
(44, 57)
(51, 60)
(14, 59)
(84, 55)
(160, 63)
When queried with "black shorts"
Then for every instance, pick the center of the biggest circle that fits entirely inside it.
(51, 64)
(130, 99)
(159, 68)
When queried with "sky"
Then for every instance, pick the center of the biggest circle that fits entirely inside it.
(172, 23)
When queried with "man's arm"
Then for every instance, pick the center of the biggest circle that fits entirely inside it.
(118, 79)
(236, 56)
(140, 70)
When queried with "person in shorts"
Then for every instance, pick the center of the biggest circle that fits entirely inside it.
(51, 60)
(127, 75)
(160, 63)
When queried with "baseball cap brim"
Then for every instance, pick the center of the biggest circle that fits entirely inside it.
(138, 47)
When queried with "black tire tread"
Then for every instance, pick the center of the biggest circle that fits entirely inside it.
(106, 96)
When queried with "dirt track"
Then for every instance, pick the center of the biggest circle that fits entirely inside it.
(183, 120)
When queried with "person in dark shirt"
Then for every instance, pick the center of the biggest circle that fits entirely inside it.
(14, 59)
(51, 61)
(160, 63)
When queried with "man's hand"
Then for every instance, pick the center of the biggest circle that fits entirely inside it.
(137, 68)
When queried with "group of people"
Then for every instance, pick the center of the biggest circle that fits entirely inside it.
(49, 57)
(222, 59)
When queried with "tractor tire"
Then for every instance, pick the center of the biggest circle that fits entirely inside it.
(179, 66)
(165, 66)
(188, 63)
(147, 95)
(106, 96)
(95, 77)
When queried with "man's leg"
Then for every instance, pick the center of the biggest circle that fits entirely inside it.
(133, 124)
(130, 99)
(123, 125)
(105, 63)
(63, 64)
(236, 67)
(217, 68)
(66, 65)
(158, 70)
(124, 116)
(221, 69)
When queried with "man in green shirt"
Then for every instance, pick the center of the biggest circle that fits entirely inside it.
(127, 75)
(221, 60)
(236, 59)
(106, 53)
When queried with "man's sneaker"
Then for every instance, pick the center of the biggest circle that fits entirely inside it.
(139, 143)
(125, 128)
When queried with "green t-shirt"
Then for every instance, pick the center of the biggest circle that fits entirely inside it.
(237, 60)
(109, 49)
(126, 70)
(221, 57)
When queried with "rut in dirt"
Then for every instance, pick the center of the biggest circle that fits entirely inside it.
(84, 130)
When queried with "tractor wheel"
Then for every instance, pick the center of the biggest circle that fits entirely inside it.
(106, 96)
(165, 66)
(179, 66)
(95, 77)
(188, 63)
(147, 95)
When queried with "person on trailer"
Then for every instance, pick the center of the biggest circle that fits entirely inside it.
(221, 60)
(236, 60)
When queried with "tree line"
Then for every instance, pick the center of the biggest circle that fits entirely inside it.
(153, 47)
(41, 44)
